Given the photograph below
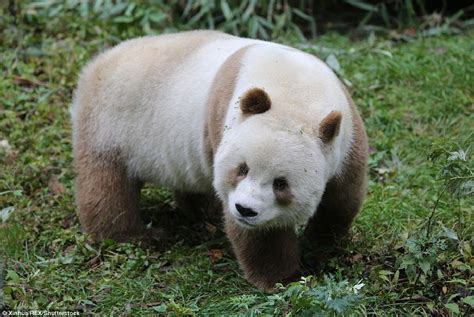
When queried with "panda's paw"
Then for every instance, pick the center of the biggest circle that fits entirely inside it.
(269, 281)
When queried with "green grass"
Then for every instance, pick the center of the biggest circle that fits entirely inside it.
(414, 97)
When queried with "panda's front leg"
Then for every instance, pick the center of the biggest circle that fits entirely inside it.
(267, 255)
(340, 204)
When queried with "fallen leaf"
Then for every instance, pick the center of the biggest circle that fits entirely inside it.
(152, 304)
(215, 254)
(5, 213)
(165, 267)
(356, 258)
(55, 186)
(25, 82)
(409, 31)
(4, 145)
(211, 228)
(94, 262)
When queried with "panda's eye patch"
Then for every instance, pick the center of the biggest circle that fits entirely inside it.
(280, 184)
(243, 169)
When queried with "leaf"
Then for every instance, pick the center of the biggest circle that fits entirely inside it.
(303, 15)
(13, 277)
(157, 17)
(457, 155)
(226, 10)
(123, 19)
(358, 286)
(362, 5)
(383, 52)
(249, 10)
(469, 300)
(117, 9)
(452, 307)
(451, 234)
(425, 266)
(332, 62)
(67, 259)
(5, 213)
(160, 308)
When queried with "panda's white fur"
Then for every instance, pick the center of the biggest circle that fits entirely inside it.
(157, 119)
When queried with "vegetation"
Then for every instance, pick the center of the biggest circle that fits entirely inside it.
(411, 247)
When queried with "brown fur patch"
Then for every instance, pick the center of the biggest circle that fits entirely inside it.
(219, 98)
(330, 126)
(107, 198)
(234, 177)
(237, 174)
(255, 101)
(266, 256)
(284, 197)
(345, 193)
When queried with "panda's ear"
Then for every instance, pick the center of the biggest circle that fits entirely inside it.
(255, 101)
(330, 126)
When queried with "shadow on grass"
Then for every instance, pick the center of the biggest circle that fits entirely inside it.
(190, 220)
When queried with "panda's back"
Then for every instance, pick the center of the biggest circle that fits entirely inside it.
(147, 99)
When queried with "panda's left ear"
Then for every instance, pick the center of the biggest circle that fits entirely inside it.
(255, 101)
(330, 126)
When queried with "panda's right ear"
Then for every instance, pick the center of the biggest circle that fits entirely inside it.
(330, 126)
(255, 101)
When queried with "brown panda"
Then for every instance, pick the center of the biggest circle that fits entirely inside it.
(266, 128)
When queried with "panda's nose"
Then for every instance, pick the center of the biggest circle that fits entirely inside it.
(246, 212)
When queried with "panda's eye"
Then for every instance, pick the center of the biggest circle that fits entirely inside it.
(280, 184)
(243, 169)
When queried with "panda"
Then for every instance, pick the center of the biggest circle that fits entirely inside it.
(265, 129)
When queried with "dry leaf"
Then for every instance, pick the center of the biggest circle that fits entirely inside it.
(55, 186)
(25, 82)
(165, 267)
(211, 228)
(215, 254)
(356, 258)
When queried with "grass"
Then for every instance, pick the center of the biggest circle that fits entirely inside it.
(411, 247)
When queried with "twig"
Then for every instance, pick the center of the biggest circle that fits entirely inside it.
(430, 219)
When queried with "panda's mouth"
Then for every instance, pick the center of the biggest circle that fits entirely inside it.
(246, 222)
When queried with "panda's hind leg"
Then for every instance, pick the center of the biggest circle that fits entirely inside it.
(107, 196)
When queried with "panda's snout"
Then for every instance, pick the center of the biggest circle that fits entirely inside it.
(245, 212)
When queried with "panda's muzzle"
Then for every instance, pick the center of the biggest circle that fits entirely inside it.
(245, 212)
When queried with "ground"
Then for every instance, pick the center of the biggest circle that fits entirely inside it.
(410, 251)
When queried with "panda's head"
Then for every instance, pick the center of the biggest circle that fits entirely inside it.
(269, 174)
